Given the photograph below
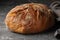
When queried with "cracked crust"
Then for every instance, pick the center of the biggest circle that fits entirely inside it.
(29, 18)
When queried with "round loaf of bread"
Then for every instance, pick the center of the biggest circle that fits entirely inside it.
(30, 18)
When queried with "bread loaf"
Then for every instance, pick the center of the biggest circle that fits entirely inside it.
(30, 18)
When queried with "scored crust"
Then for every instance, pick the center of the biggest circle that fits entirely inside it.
(30, 18)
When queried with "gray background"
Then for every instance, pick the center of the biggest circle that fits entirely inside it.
(5, 34)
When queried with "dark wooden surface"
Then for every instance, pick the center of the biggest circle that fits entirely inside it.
(5, 34)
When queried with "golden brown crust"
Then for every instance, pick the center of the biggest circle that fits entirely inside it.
(30, 18)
